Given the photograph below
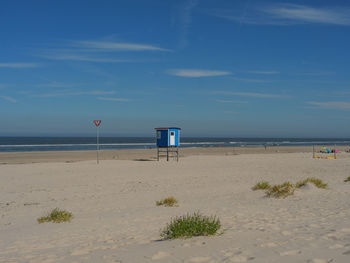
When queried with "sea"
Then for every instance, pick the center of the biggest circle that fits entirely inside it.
(27, 144)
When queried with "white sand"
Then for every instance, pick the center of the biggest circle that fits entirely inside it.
(116, 219)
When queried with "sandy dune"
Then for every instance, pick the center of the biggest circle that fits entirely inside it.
(116, 219)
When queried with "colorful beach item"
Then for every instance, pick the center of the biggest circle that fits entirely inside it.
(324, 153)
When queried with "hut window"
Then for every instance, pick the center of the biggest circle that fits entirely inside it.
(172, 133)
(159, 134)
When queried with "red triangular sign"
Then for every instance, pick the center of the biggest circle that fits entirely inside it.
(97, 122)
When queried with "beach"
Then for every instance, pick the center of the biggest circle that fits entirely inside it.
(143, 154)
(115, 217)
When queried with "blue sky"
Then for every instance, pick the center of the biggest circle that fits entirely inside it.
(236, 68)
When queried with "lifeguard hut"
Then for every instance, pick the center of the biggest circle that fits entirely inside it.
(168, 141)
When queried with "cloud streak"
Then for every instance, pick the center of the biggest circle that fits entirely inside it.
(337, 105)
(306, 14)
(19, 65)
(77, 57)
(261, 72)
(90, 51)
(186, 20)
(252, 94)
(74, 93)
(197, 73)
(232, 101)
(253, 80)
(10, 99)
(113, 99)
(288, 14)
(117, 46)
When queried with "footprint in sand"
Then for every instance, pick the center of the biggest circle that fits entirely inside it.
(320, 260)
(346, 230)
(286, 233)
(160, 255)
(290, 253)
(269, 244)
(199, 259)
(240, 258)
(80, 252)
(336, 246)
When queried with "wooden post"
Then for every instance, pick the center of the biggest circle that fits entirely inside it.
(167, 154)
(158, 154)
(313, 151)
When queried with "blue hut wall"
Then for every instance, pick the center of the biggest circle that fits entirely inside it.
(162, 138)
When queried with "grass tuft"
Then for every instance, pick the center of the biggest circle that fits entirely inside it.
(281, 190)
(347, 179)
(169, 201)
(317, 182)
(263, 185)
(56, 216)
(191, 225)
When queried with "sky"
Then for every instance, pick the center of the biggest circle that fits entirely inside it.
(223, 68)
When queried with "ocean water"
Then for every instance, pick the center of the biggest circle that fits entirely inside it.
(14, 144)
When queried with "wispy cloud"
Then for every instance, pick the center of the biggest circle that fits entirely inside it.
(55, 84)
(306, 14)
(19, 65)
(253, 80)
(262, 72)
(288, 14)
(113, 99)
(252, 94)
(90, 51)
(186, 20)
(73, 93)
(117, 46)
(337, 105)
(10, 99)
(232, 101)
(317, 73)
(77, 57)
(197, 73)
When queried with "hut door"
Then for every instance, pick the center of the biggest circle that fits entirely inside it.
(172, 138)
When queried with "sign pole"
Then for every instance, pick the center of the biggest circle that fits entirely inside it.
(97, 123)
(97, 144)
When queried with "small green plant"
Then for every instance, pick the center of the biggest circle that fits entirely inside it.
(281, 190)
(191, 225)
(263, 185)
(317, 182)
(347, 179)
(169, 201)
(56, 216)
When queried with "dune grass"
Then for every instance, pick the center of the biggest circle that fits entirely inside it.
(317, 182)
(281, 190)
(169, 201)
(263, 185)
(191, 225)
(347, 179)
(287, 188)
(56, 216)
